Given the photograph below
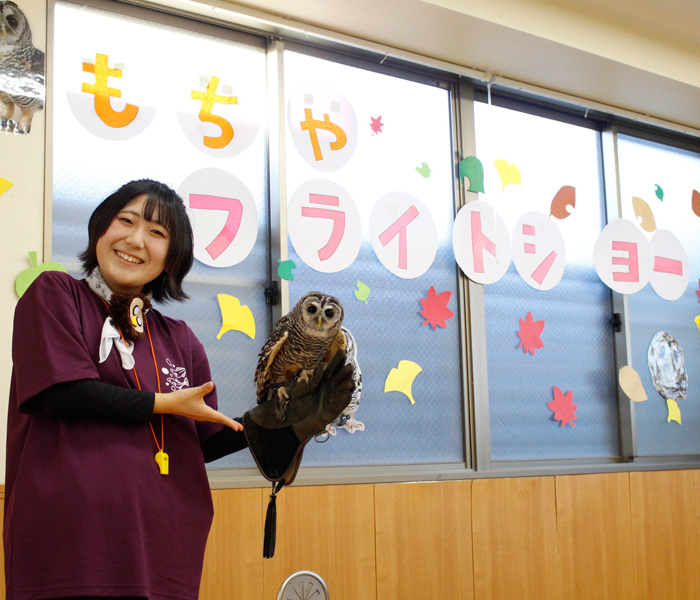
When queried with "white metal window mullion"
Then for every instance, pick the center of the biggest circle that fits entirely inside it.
(475, 371)
(277, 174)
(620, 304)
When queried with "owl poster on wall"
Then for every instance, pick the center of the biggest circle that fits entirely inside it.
(22, 80)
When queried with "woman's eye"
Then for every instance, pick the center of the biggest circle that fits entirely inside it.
(312, 310)
(158, 232)
(126, 220)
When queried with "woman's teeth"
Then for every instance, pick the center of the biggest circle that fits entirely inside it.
(132, 259)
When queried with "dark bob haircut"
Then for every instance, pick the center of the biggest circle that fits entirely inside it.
(171, 214)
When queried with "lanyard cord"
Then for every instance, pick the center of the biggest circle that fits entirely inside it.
(160, 446)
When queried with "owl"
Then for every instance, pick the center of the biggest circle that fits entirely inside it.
(22, 84)
(304, 338)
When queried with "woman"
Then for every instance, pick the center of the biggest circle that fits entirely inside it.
(110, 417)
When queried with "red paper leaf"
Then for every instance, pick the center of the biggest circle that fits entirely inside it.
(529, 334)
(435, 308)
(376, 125)
(563, 407)
(698, 291)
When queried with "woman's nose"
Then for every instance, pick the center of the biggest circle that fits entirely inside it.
(136, 237)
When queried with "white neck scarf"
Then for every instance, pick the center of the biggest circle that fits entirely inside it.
(110, 334)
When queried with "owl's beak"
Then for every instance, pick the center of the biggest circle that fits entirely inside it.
(319, 320)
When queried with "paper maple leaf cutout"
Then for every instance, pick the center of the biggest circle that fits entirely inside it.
(435, 308)
(376, 124)
(563, 407)
(529, 334)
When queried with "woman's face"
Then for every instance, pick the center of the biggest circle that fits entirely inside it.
(132, 251)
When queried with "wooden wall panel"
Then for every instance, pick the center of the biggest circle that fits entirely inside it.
(515, 539)
(328, 530)
(233, 559)
(664, 535)
(595, 536)
(424, 540)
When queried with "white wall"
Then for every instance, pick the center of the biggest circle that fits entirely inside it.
(21, 215)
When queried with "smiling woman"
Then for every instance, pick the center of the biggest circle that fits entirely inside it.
(102, 382)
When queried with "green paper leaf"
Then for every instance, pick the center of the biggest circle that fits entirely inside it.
(472, 169)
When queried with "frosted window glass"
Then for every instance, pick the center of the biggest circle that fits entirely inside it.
(167, 64)
(388, 328)
(643, 166)
(578, 342)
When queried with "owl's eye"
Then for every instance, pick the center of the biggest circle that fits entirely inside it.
(312, 309)
(329, 313)
(12, 21)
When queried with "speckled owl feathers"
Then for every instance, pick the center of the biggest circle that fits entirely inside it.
(304, 338)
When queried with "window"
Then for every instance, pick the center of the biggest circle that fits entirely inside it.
(357, 191)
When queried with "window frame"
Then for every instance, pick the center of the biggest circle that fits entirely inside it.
(465, 86)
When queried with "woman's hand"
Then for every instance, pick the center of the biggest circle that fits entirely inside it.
(189, 402)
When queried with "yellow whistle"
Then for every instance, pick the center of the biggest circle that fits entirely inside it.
(163, 462)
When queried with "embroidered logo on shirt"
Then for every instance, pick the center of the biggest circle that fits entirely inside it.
(176, 376)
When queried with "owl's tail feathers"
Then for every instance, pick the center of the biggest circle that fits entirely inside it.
(278, 446)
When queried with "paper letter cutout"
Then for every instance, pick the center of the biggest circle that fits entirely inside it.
(479, 242)
(538, 250)
(401, 379)
(479, 226)
(631, 261)
(622, 235)
(399, 228)
(103, 93)
(631, 384)
(668, 265)
(234, 208)
(670, 276)
(209, 98)
(324, 225)
(311, 124)
(235, 317)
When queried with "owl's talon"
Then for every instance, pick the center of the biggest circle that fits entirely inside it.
(305, 375)
(281, 405)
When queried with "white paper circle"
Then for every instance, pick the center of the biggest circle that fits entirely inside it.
(625, 268)
(243, 117)
(487, 258)
(670, 275)
(322, 110)
(121, 118)
(539, 252)
(324, 225)
(403, 234)
(223, 214)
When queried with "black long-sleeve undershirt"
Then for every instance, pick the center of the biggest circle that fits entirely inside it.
(93, 399)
